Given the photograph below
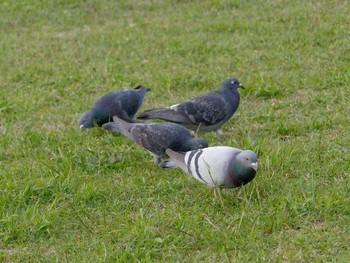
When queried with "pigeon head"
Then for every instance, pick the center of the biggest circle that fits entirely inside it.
(231, 84)
(195, 143)
(86, 120)
(245, 167)
(90, 118)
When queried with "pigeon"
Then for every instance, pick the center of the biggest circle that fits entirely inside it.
(221, 166)
(122, 103)
(204, 113)
(157, 137)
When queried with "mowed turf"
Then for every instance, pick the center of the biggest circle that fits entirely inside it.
(91, 196)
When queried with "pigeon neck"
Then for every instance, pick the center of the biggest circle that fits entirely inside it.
(229, 91)
(233, 98)
(101, 116)
(231, 94)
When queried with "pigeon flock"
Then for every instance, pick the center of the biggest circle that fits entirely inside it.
(216, 166)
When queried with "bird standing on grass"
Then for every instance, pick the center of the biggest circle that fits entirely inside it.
(221, 166)
(157, 137)
(121, 103)
(204, 113)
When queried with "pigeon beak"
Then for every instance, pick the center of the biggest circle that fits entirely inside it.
(82, 127)
(255, 166)
(241, 86)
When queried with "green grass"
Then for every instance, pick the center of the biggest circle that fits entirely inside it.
(90, 196)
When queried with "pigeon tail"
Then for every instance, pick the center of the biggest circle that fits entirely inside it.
(119, 125)
(167, 164)
(123, 126)
(111, 126)
(140, 87)
(178, 158)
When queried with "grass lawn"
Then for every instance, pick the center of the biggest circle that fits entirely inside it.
(89, 196)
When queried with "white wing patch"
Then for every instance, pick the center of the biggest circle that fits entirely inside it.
(173, 107)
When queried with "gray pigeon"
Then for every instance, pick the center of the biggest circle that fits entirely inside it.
(121, 103)
(206, 112)
(221, 166)
(157, 137)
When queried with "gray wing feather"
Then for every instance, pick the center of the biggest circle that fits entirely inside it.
(157, 137)
(207, 109)
(167, 114)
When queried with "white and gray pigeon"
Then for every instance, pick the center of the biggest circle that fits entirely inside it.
(220, 166)
(121, 103)
(204, 113)
(157, 137)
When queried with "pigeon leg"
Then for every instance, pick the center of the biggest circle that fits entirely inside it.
(196, 134)
(156, 158)
(220, 132)
(215, 193)
(167, 164)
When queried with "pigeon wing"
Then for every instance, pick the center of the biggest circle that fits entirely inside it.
(154, 137)
(207, 109)
(127, 103)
